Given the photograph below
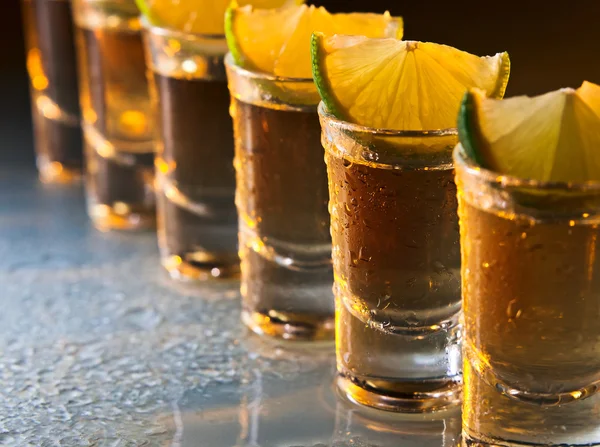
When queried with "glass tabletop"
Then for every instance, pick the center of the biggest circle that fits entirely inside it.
(100, 348)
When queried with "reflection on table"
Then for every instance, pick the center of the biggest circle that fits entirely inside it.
(287, 398)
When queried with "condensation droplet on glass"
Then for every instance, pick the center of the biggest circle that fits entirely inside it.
(512, 311)
(439, 267)
(412, 319)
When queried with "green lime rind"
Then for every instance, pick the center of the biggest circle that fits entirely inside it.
(503, 77)
(524, 196)
(146, 11)
(320, 77)
(234, 48)
(469, 132)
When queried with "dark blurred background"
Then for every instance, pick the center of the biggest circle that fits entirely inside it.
(552, 45)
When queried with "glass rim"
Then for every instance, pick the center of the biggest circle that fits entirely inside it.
(170, 32)
(262, 75)
(462, 160)
(357, 128)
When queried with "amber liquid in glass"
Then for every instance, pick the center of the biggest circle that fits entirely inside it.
(531, 306)
(117, 125)
(196, 179)
(285, 244)
(397, 263)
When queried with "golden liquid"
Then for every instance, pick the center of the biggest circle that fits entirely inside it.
(285, 245)
(531, 305)
(117, 116)
(196, 180)
(114, 93)
(396, 260)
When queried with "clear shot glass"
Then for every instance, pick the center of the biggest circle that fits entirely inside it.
(285, 245)
(195, 178)
(531, 294)
(117, 118)
(52, 69)
(396, 259)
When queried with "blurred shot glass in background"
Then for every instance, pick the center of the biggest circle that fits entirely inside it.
(52, 69)
(197, 218)
(117, 119)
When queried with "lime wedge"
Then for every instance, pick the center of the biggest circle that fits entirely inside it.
(198, 16)
(277, 41)
(402, 85)
(553, 137)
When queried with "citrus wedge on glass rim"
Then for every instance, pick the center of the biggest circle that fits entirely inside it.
(400, 85)
(198, 16)
(277, 41)
(553, 137)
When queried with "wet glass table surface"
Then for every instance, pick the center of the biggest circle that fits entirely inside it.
(99, 348)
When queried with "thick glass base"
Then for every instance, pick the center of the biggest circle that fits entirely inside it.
(286, 288)
(290, 326)
(197, 231)
(54, 172)
(58, 149)
(119, 183)
(495, 415)
(408, 397)
(120, 216)
(186, 268)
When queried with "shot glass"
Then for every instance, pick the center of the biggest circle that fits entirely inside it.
(116, 109)
(285, 245)
(52, 72)
(396, 260)
(531, 291)
(195, 179)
